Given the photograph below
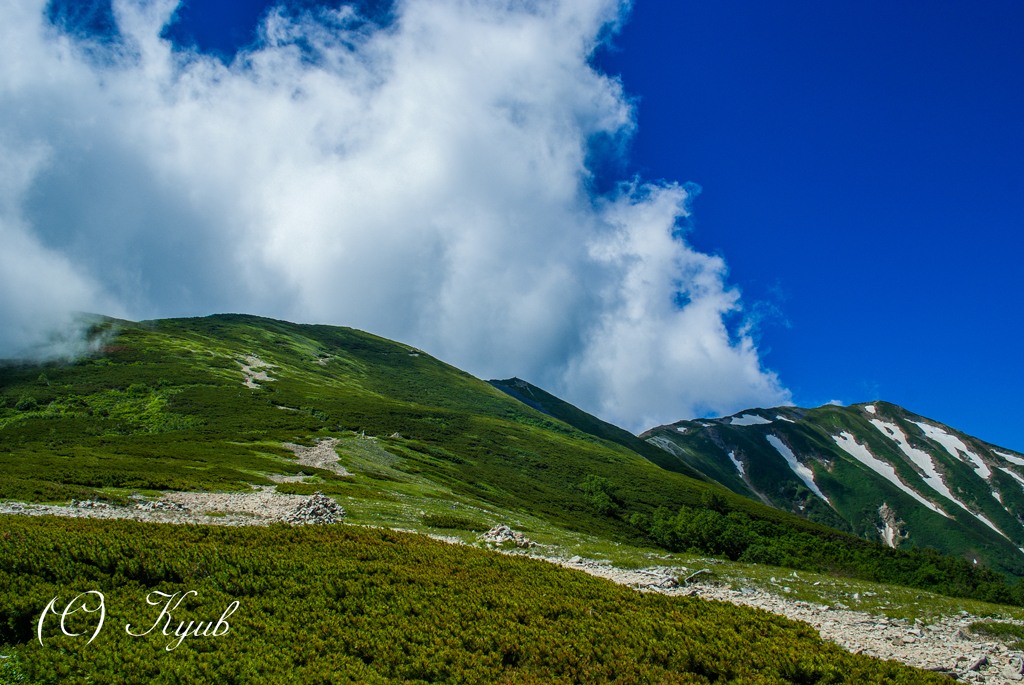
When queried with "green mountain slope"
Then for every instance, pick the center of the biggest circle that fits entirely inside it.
(560, 409)
(875, 469)
(207, 404)
(164, 406)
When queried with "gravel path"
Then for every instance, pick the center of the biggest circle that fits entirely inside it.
(946, 646)
(258, 508)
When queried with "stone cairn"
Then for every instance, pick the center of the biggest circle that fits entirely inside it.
(319, 509)
(502, 533)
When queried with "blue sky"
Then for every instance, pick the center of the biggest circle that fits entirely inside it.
(855, 237)
(863, 173)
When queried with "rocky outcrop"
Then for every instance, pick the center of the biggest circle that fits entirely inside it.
(891, 531)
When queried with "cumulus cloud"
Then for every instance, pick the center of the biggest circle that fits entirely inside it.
(426, 181)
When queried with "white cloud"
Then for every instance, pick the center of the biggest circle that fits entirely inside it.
(426, 182)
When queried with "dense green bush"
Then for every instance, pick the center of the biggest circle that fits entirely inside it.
(452, 522)
(338, 604)
(742, 538)
(26, 404)
(597, 491)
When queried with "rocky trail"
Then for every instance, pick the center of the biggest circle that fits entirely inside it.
(261, 507)
(946, 646)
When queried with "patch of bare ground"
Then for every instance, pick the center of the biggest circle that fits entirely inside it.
(321, 455)
(252, 362)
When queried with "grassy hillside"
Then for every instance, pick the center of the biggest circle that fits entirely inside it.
(347, 605)
(165, 406)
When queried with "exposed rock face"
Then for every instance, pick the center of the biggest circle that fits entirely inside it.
(502, 533)
(891, 529)
(319, 509)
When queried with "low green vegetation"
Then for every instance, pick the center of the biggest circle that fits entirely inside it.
(452, 522)
(738, 537)
(1011, 633)
(342, 604)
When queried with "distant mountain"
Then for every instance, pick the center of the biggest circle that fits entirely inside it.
(875, 469)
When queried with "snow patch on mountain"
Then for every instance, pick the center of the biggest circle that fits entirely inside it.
(783, 418)
(956, 447)
(861, 453)
(870, 409)
(667, 445)
(1009, 457)
(924, 461)
(749, 420)
(1011, 473)
(737, 463)
(805, 474)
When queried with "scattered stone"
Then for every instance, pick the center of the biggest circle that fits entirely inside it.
(502, 533)
(321, 455)
(978, 663)
(317, 510)
(89, 504)
(251, 376)
(694, 575)
(161, 505)
(944, 646)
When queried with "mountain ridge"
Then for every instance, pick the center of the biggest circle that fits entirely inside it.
(873, 466)
(770, 456)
